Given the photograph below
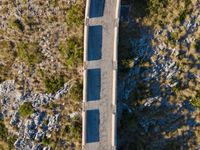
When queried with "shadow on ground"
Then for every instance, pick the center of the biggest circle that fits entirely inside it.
(158, 123)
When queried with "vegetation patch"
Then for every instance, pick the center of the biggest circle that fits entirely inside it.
(197, 45)
(75, 16)
(74, 128)
(183, 15)
(76, 92)
(29, 53)
(3, 131)
(11, 140)
(53, 84)
(17, 24)
(196, 100)
(72, 51)
(46, 141)
(26, 109)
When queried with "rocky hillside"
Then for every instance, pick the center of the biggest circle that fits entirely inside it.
(159, 55)
(41, 48)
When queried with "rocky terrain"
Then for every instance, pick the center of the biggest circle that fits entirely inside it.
(160, 76)
(40, 74)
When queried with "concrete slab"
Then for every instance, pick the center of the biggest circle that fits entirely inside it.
(94, 43)
(92, 125)
(94, 84)
(96, 8)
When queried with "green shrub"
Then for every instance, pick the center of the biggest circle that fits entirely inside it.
(26, 109)
(197, 45)
(196, 100)
(187, 3)
(54, 3)
(11, 141)
(29, 53)
(155, 6)
(18, 24)
(76, 91)
(53, 84)
(72, 51)
(4, 72)
(75, 16)
(173, 37)
(46, 141)
(182, 15)
(4, 44)
(3, 131)
(75, 128)
(24, 1)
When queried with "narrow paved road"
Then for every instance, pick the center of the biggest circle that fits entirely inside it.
(100, 68)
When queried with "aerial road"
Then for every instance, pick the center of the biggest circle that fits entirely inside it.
(100, 74)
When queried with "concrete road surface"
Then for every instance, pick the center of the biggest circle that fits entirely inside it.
(100, 65)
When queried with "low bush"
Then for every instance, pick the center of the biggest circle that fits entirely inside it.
(11, 140)
(182, 15)
(18, 24)
(29, 53)
(26, 109)
(46, 141)
(54, 3)
(76, 92)
(72, 51)
(196, 100)
(173, 37)
(53, 84)
(74, 129)
(3, 131)
(127, 64)
(197, 45)
(75, 15)
(155, 6)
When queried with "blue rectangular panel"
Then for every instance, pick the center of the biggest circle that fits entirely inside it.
(92, 125)
(96, 8)
(94, 42)
(93, 84)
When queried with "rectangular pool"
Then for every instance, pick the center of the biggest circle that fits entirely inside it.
(93, 84)
(94, 42)
(96, 8)
(92, 125)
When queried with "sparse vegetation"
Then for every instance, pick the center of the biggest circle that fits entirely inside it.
(197, 45)
(26, 109)
(29, 53)
(18, 25)
(53, 84)
(3, 131)
(173, 37)
(72, 51)
(74, 129)
(168, 85)
(11, 140)
(54, 3)
(46, 141)
(182, 15)
(75, 16)
(76, 92)
(40, 51)
(196, 100)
